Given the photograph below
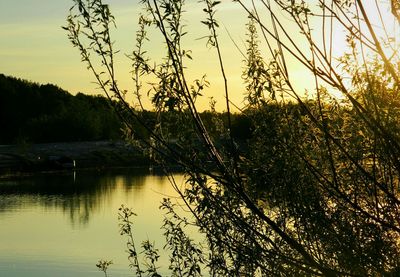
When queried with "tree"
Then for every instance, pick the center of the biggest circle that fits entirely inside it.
(317, 190)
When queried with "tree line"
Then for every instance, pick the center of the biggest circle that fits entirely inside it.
(46, 113)
(38, 113)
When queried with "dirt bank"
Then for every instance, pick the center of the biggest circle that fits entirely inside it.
(79, 155)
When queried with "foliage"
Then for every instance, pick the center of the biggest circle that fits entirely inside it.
(47, 113)
(314, 190)
(103, 265)
(186, 257)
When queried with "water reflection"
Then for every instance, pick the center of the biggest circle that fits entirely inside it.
(79, 195)
(61, 225)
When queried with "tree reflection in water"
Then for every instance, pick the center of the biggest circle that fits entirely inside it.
(78, 194)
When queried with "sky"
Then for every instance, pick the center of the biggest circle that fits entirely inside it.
(33, 46)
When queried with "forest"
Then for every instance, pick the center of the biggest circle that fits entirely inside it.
(34, 113)
(30, 112)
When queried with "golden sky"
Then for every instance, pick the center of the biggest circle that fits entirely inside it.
(33, 46)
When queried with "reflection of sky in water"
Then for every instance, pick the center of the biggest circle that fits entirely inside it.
(60, 227)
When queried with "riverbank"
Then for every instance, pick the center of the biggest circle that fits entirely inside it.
(28, 158)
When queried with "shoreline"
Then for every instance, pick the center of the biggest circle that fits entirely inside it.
(44, 158)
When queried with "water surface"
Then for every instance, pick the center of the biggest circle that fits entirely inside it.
(61, 225)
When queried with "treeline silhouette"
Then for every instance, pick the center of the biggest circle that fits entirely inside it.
(30, 112)
(35, 113)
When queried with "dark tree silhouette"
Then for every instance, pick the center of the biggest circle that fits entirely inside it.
(46, 113)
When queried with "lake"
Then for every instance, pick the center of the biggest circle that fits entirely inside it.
(62, 224)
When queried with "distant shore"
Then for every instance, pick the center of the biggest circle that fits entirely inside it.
(31, 158)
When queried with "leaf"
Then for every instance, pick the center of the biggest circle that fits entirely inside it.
(213, 4)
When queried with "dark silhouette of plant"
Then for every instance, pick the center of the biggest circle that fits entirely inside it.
(315, 189)
(103, 265)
